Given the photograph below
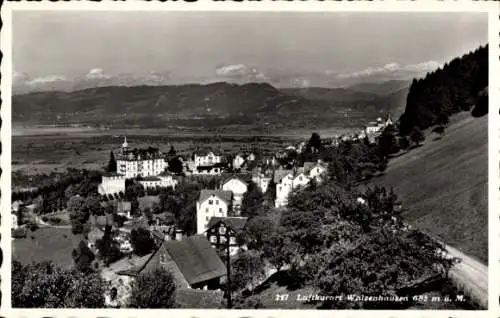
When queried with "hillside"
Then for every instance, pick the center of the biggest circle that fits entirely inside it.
(211, 105)
(386, 97)
(444, 185)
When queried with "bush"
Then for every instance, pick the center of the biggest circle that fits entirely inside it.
(19, 233)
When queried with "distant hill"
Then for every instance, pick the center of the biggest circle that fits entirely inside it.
(217, 104)
(385, 97)
(444, 185)
(381, 88)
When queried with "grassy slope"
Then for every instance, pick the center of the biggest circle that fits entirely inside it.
(444, 185)
(53, 244)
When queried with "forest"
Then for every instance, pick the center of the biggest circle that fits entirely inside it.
(459, 85)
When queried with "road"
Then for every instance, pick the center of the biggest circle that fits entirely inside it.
(470, 276)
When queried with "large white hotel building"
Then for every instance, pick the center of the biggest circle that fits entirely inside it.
(132, 163)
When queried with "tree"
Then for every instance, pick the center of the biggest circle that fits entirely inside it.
(253, 201)
(142, 241)
(314, 144)
(154, 289)
(79, 215)
(381, 264)
(387, 143)
(172, 151)
(45, 285)
(175, 165)
(112, 163)
(416, 136)
(438, 130)
(108, 248)
(134, 207)
(83, 257)
(247, 269)
(404, 143)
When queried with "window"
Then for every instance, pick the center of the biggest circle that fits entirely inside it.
(213, 239)
(222, 230)
(163, 258)
(206, 218)
(216, 202)
(220, 210)
(210, 202)
(206, 210)
(300, 178)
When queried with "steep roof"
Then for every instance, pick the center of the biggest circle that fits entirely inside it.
(309, 165)
(235, 177)
(236, 223)
(225, 196)
(196, 259)
(280, 174)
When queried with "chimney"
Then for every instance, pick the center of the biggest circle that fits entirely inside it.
(178, 235)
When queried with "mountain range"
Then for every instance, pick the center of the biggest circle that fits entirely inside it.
(215, 104)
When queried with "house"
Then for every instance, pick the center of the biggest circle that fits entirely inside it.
(238, 161)
(222, 228)
(261, 179)
(193, 262)
(140, 162)
(211, 203)
(284, 185)
(251, 157)
(14, 221)
(163, 180)
(376, 127)
(315, 169)
(206, 158)
(124, 208)
(111, 184)
(238, 187)
(301, 178)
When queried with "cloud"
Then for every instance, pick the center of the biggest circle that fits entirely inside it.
(394, 69)
(97, 73)
(232, 70)
(423, 67)
(19, 78)
(241, 72)
(46, 80)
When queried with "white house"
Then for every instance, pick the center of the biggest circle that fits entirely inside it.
(14, 221)
(211, 203)
(238, 187)
(164, 180)
(140, 162)
(284, 185)
(261, 179)
(111, 185)
(238, 161)
(300, 179)
(202, 158)
(315, 169)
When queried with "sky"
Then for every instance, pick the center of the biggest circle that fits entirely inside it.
(285, 49)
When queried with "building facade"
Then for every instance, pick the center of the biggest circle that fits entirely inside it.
(111, 185)
(238, 187)
(220, 229)
(132, 163)
(211, 203)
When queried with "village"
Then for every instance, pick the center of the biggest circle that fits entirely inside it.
(198, 259)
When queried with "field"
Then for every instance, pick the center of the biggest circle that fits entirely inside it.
(55, 244)
(33, 154)
(444, 185)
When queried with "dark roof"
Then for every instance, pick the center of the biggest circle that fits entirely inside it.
(149, 178)
(236, 223)
(210, 167)
(223, 195)
(235, 177)
(196, 259)
(195, 298)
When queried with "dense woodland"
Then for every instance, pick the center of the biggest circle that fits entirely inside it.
(458, 86)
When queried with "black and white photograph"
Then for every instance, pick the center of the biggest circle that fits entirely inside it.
(249, 159)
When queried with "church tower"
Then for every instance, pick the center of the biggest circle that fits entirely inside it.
(125, 146)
